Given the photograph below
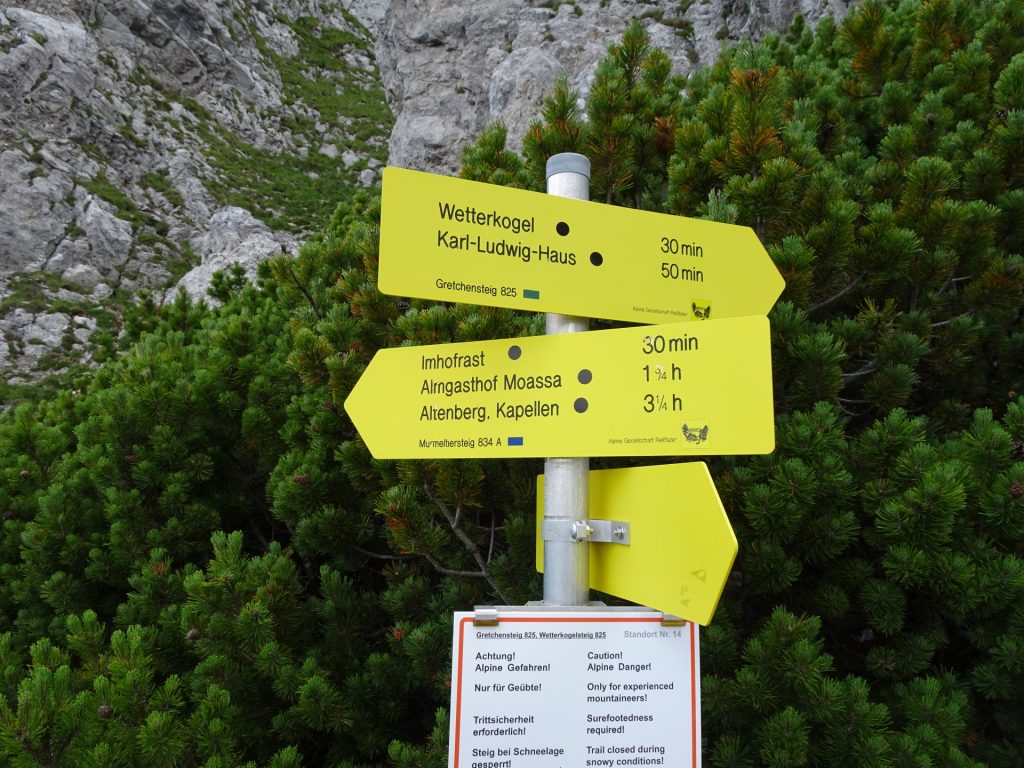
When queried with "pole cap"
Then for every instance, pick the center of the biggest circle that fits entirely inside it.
(568, 162)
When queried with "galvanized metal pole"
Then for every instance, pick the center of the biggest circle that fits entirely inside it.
(567, 480)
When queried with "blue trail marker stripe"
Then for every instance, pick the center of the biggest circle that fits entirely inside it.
(515, 441)
(529, 294)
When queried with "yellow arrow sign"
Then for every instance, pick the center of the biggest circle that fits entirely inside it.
(679, 389)
(681, 544)
(456, 240)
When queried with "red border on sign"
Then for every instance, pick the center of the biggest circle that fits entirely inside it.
(583, 619)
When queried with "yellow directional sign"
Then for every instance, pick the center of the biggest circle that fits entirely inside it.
(456, 240)
(677, 389)
(681, 544)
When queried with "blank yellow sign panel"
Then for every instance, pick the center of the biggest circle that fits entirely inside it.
(681, 544)
(682, 389)
(451, 239)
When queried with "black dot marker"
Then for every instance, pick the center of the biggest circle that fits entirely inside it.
(581, 404)
(515, 351)
(596, 259)
(562, 228)
(585, 376)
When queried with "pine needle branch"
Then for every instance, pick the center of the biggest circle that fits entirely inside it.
(467, 542)
(305, 291)
(378, 556)
(836, 297)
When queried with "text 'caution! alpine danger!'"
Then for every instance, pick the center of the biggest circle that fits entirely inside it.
(455, 240)
(574, 690)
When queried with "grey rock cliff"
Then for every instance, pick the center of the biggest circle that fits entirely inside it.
(123, 124)
(119, 123)
(450, 68)
(234, 237)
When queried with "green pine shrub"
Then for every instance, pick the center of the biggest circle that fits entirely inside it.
(202, 565)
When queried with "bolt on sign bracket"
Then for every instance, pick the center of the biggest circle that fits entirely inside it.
(596, 531)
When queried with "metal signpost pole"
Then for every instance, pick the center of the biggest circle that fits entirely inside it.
(566, 480)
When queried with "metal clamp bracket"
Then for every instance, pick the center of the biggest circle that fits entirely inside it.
(597, 531)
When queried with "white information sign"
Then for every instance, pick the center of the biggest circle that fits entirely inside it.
(545, 689)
